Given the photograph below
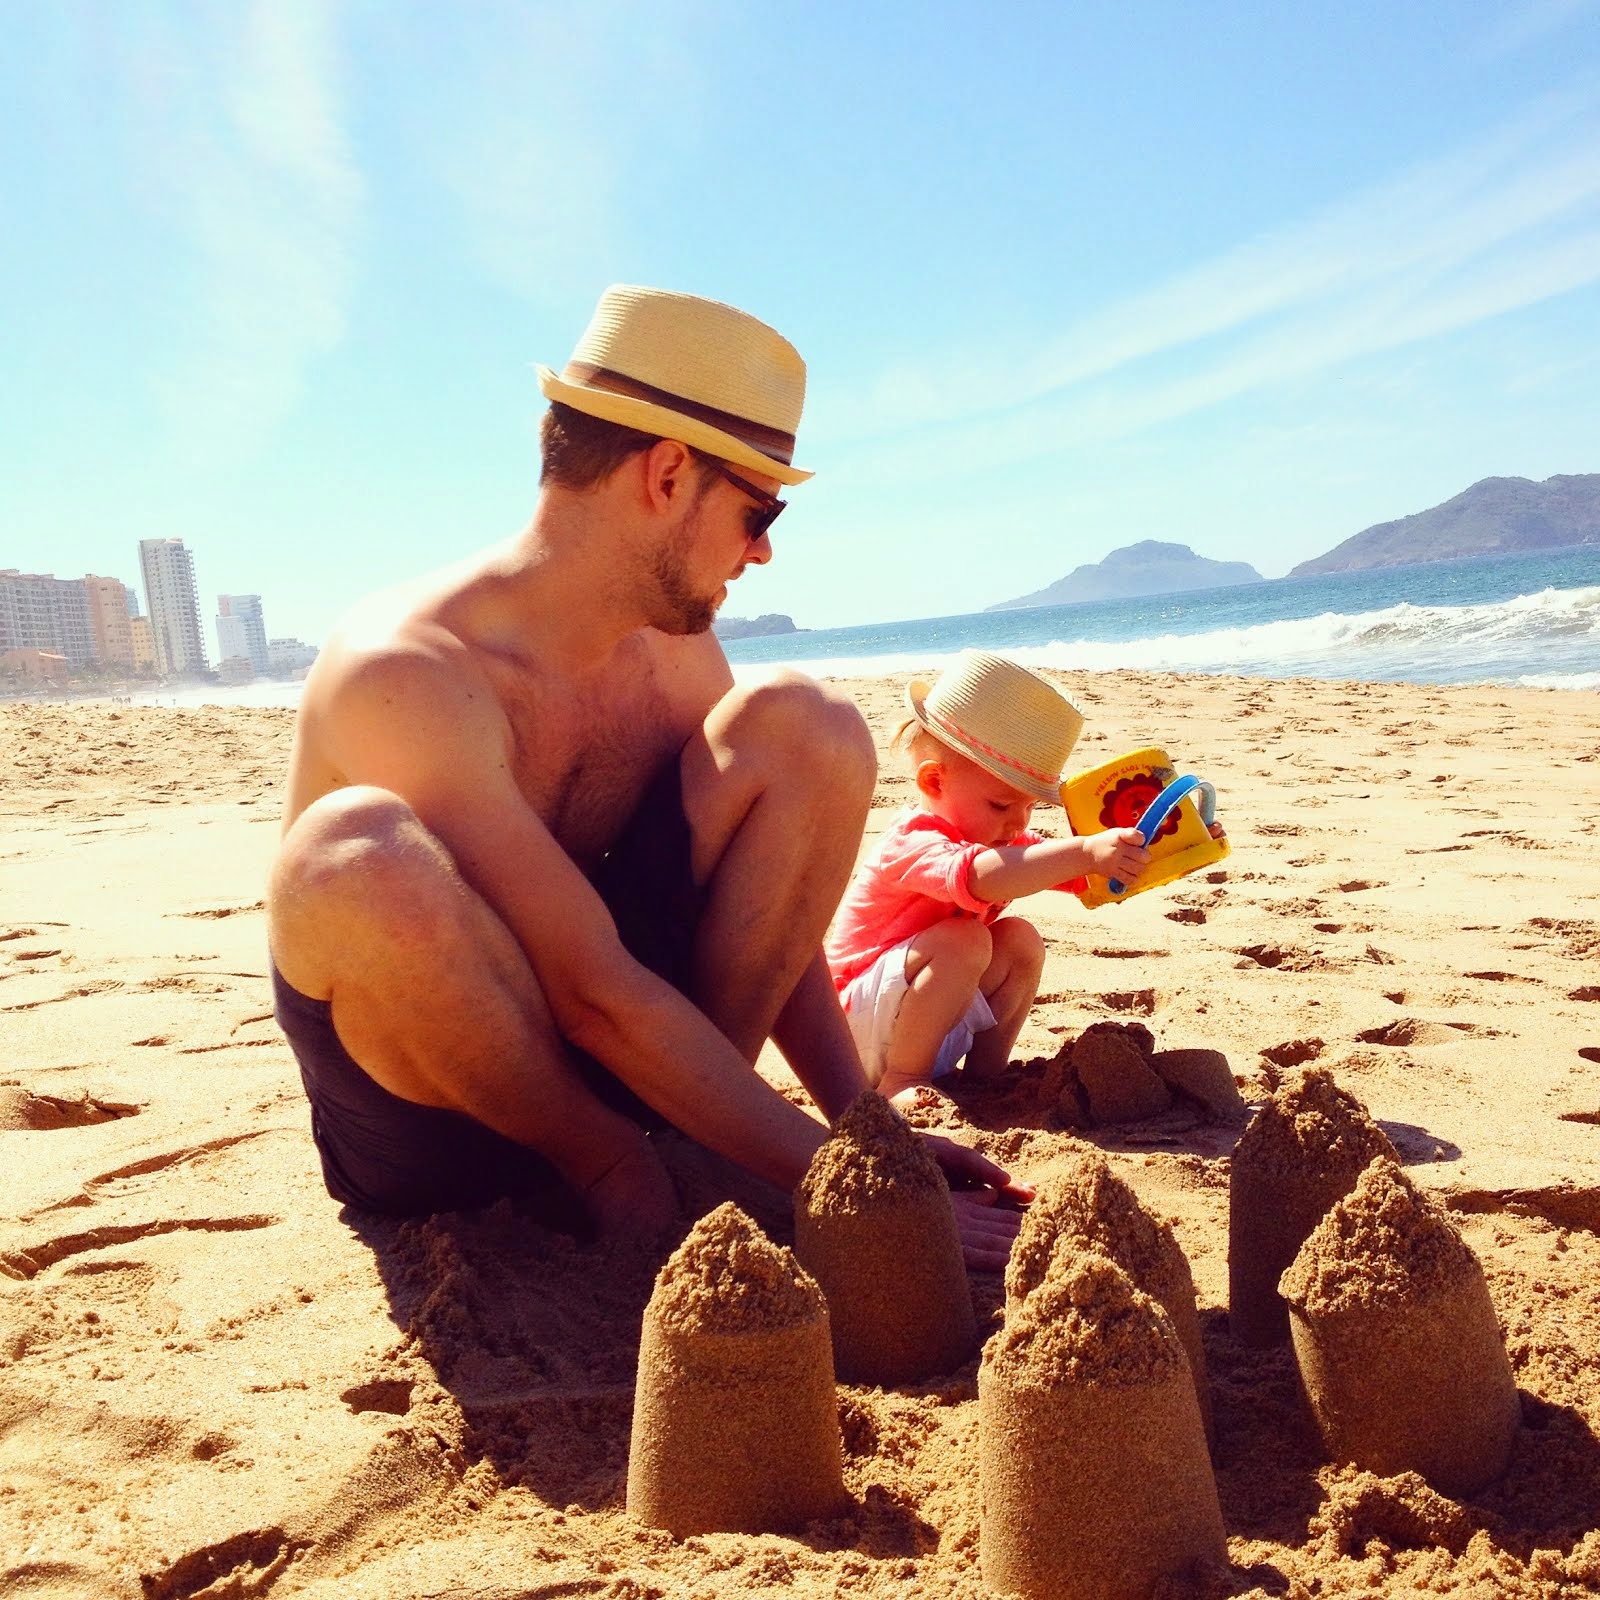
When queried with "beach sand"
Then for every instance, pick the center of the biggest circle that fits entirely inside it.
(214, 1382)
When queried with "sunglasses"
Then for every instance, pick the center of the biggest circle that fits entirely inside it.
(768, 507)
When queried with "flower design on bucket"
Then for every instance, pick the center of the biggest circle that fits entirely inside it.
(1129, 798)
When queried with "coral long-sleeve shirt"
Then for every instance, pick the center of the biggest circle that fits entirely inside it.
(919, 873)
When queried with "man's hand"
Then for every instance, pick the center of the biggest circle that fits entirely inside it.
(634, 1197)
(987, 1204)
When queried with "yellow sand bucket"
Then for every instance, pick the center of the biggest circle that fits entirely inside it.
(1143, 790)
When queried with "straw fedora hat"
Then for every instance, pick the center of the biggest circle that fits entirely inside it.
(1008, 720)
(689, 369)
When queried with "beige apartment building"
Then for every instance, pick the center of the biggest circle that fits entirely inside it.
(109, 622)
(39, 611)
(144, 644)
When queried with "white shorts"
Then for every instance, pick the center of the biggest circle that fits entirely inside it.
(872, 1003)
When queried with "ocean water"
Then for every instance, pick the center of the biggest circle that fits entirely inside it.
(1526, 619)
(1532, 620)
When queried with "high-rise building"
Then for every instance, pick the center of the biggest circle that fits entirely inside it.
(109, 621)
(41, 612)
(290, 657)
(144, 644)
(241, 630)
(174, 606)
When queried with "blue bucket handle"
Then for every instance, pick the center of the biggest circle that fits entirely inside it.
(1158, 810)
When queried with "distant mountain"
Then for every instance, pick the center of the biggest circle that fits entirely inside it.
(1149, 567)
(753, 627)
(1496, 516)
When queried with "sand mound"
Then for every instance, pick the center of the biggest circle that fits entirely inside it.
(1089, 1209)
(873, 1225)
(872, 1156)
(1301, 1152)
(1093, 1461)
(1397, 1342)
(1109, 1066)
(735, 1426)
(728, 1277)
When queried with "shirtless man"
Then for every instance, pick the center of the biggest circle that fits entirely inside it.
(508, 776)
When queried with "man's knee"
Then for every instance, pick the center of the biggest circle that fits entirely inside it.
(359, 852)
(815, 732)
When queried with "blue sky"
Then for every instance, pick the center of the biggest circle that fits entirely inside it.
(1246, 276)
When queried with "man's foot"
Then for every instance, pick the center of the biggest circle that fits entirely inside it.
(633, 1197)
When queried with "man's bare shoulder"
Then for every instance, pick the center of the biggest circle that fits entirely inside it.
(394, 691)
(390, 645)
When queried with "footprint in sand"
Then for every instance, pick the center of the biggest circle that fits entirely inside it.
(1280, 958)
(82, 991)
(34, 1259)
(1137, 1002)
(213, 913)
(1193, 915)
(382, 1396)
(247, 1563)
(1294, 1052)
(23, 1111)
(1416, 1031)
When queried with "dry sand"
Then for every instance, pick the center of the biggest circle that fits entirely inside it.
(212, 1382)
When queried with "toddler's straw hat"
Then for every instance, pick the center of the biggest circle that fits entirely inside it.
(1002, 716)
(689, 369)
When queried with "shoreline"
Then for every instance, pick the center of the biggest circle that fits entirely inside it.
(221, 1378)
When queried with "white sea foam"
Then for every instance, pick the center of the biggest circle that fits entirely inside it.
(1559, 680)
(1553, 635)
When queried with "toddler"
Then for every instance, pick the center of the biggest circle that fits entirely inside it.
(928, 968)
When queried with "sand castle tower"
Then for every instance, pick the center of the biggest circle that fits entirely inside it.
(873, 1226)
(1396, 1339)
(1090, 1208)
(1095, 1476)
(735, 1417)
(1302, 1152)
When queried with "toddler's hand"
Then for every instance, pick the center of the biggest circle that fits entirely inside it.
(1117, 853)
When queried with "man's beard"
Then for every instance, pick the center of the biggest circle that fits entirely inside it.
(678, 609)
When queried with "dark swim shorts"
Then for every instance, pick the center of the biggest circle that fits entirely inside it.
(383, 1153)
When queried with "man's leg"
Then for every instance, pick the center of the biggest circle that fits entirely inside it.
(368, 911)
(776, 788)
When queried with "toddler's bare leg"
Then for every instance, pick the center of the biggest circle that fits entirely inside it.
(943, 967)
(1009, 984)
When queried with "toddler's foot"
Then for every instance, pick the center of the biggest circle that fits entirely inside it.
(915, 1094)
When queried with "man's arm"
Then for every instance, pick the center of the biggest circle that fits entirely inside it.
(424, 724)
(815, 1039)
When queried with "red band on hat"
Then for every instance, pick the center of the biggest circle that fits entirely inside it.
(988, 749)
